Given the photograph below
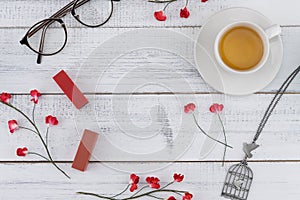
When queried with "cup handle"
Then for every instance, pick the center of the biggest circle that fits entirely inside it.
(273, 31)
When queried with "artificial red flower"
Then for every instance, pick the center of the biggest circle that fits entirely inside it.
(13, 125)
(204, 1)
(35, 94)
(22, 151)
(133, 187)
(187, 196)
(189, 108)
(153, 182)
(178, 177)
(216, 108)
(134, 179)
(160, 16)
(184, 12)
(171, 198)
(50, 120)
(5, 97)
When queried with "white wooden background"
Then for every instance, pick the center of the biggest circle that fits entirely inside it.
(276, 164)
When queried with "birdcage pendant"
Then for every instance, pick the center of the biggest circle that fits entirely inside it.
(238, 182)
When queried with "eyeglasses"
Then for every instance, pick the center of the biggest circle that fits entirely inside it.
(49, 36)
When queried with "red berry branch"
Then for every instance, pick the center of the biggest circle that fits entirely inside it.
(14, 126)
(152, 187)
(160, 14)
(216, 109)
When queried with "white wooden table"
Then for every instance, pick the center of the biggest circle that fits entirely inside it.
(276, 163)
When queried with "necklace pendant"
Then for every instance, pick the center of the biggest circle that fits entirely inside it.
(238, 182)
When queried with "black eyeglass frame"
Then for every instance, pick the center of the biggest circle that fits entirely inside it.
(44, 24)
(49, 21)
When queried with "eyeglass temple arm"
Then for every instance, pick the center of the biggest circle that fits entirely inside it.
(61, 13)
(42, 42)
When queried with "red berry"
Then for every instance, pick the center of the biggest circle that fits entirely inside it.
(184, 12)
(160, 16)
(178, 177)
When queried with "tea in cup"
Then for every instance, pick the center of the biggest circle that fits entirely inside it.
(243, 47)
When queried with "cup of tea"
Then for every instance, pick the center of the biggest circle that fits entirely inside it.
(244, 47)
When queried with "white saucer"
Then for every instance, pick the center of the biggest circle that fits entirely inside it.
(235, 84)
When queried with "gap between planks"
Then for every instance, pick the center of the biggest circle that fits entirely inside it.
(149, 93)
(137, 27)
(205, 161)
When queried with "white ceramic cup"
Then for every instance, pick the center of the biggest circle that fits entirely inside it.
(265, 36)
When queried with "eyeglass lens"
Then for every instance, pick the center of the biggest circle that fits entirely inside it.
(92, 13)
(48, 40)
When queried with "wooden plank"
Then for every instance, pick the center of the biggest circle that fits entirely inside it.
(204, 180)
(156, 70)
(128, 124)
(24, 13)
(141, 125)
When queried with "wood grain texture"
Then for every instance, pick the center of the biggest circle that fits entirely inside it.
(127, 124)
(204, 180)
(24, 13)
(152, 118)
(165, 68)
